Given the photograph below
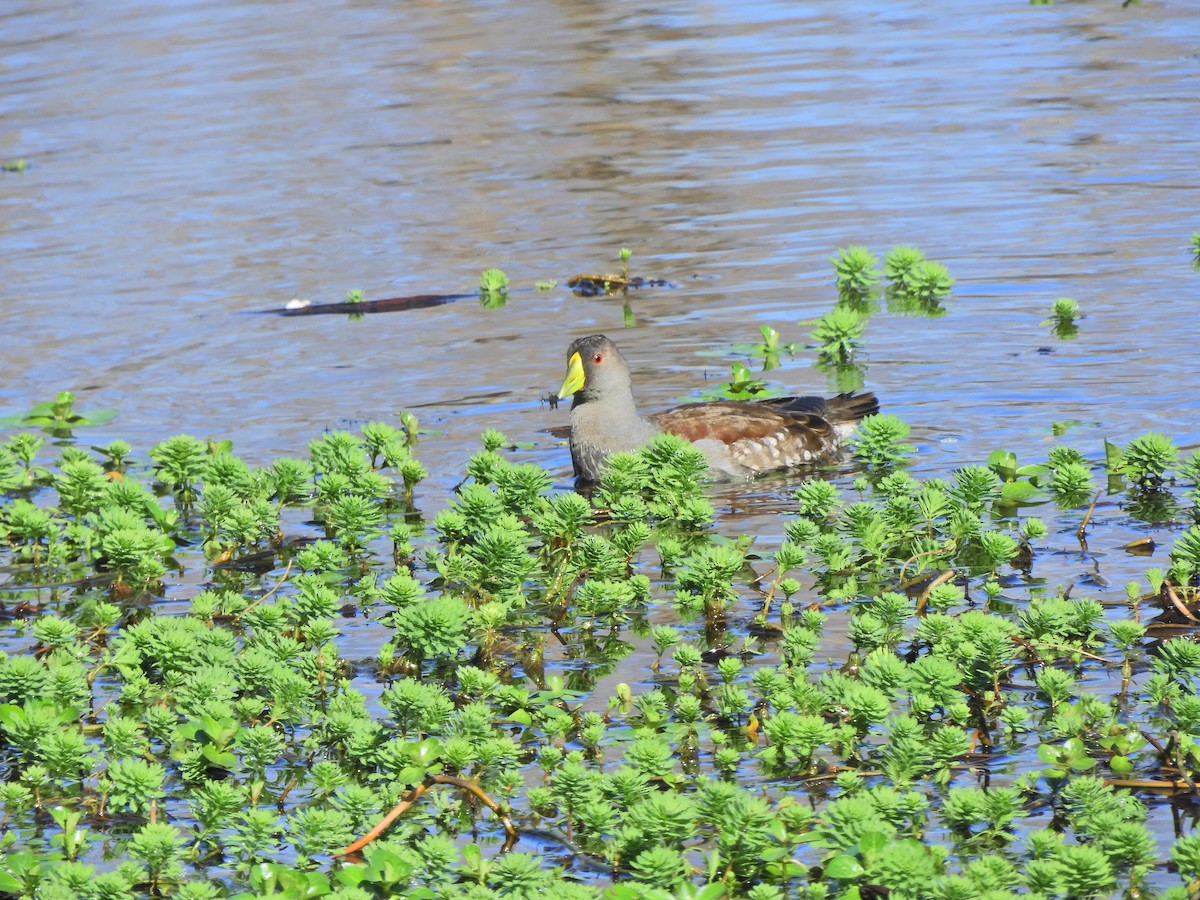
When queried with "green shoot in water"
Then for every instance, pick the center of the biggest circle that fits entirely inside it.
(493, 288)
(839, 333)
(855, 271)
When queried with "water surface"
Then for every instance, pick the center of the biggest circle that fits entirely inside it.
(194, 163)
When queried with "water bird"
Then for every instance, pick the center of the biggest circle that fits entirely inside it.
(739, 438)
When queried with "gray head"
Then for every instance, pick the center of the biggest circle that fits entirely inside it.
(595, 371)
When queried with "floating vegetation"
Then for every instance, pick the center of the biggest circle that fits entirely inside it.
(1063, 313)
(900, 263)
(927, 282)
(607, 285)
(916, 287)
(58, 416)
(493, 288)
(611, 284)
(239, 746)
(839, 334)
(1064, 310)
(743, 384)
(856, 272)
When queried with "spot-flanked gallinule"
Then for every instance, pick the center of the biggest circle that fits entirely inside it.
(740, 438)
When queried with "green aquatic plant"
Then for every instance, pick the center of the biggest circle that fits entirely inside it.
(1070, 481)
(879, 442)
(1020, 484)
(899, 264)
(839, 334)
(1063, 313)
(493, 288)
(493, 281)
(769, 349)
(1146, 459)
(917, 284)
(855, 271)
(59, 416)
(1064, 310)
(743, 384)
(179, 462)
(253, 714)
(928, 282)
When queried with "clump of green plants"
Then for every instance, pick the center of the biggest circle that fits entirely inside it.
(929, 282)
(743, 384)
(1070, 477)
(1147, 458)
(366, 690)
(59, 416)
(1196, 250)
(1064, 310)
(879, 444)
(900, 263)
(856, 272)
(1063, 313)
(839, 334)
(769, 349)
(917, 285)
(493, 288)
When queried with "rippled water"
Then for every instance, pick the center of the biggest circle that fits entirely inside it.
(193, 163)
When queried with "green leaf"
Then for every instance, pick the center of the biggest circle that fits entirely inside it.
(1019, 492)
(1051, 754)
(352, 875)
(386, 866)
(874, 841)
(1003, 463)
(411, 775)
(10, 714)
(222, 759)
(426, 752)
(10, 885)
(1122, 765)
(844, 868)
(1034, 471)
(1112, 455)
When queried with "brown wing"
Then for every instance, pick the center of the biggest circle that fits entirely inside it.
(767, 435)
(732, 422)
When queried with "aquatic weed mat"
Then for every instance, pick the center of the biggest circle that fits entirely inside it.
(298, 680)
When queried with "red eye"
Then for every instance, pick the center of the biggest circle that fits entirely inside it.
(598, 358)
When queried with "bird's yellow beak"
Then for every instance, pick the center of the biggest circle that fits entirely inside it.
(574, 379)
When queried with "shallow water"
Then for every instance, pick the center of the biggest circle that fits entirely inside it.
(194, 163)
